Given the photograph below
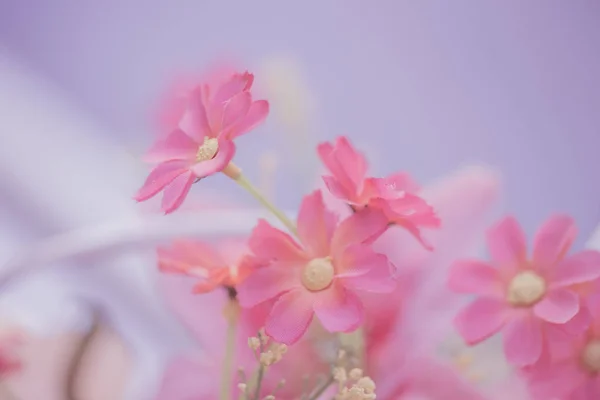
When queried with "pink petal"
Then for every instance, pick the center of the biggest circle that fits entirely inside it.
(338, 309)
(377, 280)
(220, 161)
(290, 317)
(476, 277)
(523, 340)
(393, 185)
(316, 225)
(161, 176)
(558, 306)
(235, 85)
(507, 244)
(353, 162)
(362, 226)
(337, 189)
(359, 259)
(578, 268)
(195, 120)
(266, 283)
(177, 146)
(271, 243)
(256, 115)
(176, 191)
(553, 240)
(329, 156)
(235, 111)
(199, 253)
(481, 319)
(556, 381)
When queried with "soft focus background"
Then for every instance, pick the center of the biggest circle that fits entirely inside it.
(421, 86)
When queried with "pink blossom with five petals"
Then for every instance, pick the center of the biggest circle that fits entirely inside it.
(217, 112)
(321, 275)
(526, 298)
(395, 195)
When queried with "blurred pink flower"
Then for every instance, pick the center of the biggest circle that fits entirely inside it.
(573, 376)
(225, 264)
(196, 376)
(321, 275)
(217, 112)
(521, 296)
(9, 362)
(394, 195)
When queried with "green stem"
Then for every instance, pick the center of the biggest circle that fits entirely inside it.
(261, 373)
(227, 373)
(319, 391)
(243, 182)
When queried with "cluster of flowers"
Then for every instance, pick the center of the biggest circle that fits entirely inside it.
(323, 278)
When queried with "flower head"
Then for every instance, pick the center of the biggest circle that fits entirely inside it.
(321, 274)
(9, 362)
(575, 375)
(526, 297)
(216, 112)
(225, 264)
(394, 195)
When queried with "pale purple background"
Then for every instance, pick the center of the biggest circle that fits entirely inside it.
(434, 85)
(426, 86)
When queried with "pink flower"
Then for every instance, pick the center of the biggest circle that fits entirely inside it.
(197, 377)
(525, 297)
(575, 376)
(394, 195)
(9, 362)
(217, 112)
(319, 276)
(225, 264)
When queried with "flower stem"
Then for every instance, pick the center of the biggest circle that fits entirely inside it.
(243, 182)
(231, 315)
(321, 389)
(355, 343)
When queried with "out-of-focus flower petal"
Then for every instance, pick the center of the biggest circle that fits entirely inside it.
(523, 340)
(475, 277)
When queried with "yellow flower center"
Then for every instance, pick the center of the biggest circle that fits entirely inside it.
(591, 356)
(526, 289)
(318, 274)
(208, 150)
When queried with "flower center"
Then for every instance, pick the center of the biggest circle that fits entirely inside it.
(525, 289)
(208, 150)
(318, 274)
(591, 356)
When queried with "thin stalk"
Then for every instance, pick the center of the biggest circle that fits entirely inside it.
(320, 390)
(227, 373)
(245, 183)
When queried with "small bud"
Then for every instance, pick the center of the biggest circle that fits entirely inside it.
(242, 387)
(367, 384)
(254, 343)
(339, 374)
(355, 374)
